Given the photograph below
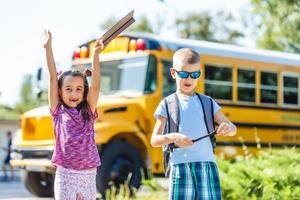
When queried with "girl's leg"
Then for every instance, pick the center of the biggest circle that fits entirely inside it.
(87, 183)
(181, 185)
(63, 187)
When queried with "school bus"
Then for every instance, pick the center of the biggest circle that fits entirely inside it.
(258, 90)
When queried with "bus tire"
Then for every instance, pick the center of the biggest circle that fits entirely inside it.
(40, 184)
(119, 159)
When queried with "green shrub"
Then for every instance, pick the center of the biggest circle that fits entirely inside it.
(273, 174)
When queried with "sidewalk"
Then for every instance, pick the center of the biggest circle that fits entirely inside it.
(15, 190)
(16, 173)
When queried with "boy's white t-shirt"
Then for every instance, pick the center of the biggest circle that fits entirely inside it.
(192, 124)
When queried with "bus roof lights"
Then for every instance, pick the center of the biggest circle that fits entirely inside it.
(84, 52)
(132, 45)
(140, 44)
(76, 54)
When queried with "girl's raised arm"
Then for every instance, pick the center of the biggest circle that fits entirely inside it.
(96, 74)
(53, 82)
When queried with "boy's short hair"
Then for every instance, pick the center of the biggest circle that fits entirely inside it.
(185, 56)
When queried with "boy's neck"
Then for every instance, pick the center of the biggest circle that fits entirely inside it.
(185, 94)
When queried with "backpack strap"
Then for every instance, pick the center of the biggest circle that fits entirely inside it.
(173, 113)
(173, 119)
(168, 126)
(208, 112)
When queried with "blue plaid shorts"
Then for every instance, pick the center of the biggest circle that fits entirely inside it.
(194, 181)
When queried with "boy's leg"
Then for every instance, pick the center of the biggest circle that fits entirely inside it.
(181, 185)
(207, 181)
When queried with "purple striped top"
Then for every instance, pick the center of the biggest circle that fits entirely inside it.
(75, 146)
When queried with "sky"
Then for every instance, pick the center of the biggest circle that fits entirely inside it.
(73, 22)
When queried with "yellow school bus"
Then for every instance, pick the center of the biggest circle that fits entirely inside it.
(258, 90)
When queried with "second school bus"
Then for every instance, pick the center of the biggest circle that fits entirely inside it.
(257, 89)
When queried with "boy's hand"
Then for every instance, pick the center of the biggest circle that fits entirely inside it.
(226, 129)
(181, 140)
(47, 38)
(99, 46)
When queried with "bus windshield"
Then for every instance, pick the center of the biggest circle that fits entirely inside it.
(124, 77)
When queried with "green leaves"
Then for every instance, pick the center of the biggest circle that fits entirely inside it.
(28, 98)
(272, 175)
(216, 27)
(280, 20)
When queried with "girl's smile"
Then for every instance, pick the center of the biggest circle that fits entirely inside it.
(72, 91)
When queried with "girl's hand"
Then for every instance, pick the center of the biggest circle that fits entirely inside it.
(99, 46)
(226, 129)
(47, 38)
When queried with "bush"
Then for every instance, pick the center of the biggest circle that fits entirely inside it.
(270, 175)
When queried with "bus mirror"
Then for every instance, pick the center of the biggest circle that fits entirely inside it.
(39, 74)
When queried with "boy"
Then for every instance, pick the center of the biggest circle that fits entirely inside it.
(193, 174)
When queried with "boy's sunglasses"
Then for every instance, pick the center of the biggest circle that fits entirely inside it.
(185, 74)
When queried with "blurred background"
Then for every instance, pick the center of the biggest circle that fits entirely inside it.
(254, 24)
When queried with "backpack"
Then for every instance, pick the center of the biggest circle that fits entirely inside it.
(173, 120)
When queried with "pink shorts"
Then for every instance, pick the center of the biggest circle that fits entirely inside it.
(72, 184)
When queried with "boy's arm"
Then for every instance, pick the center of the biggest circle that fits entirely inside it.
(94, 89)
(158, 139)
(226, 128)
(53, 82)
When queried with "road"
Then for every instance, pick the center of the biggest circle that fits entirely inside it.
(15, 190)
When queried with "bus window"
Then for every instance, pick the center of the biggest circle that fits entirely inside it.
(151, 78)
(117, 76)
(218, 82)
(169, 85)
(268, 87)
(246, 85)
(290, 89)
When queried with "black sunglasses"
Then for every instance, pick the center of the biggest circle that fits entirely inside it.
(185, 74)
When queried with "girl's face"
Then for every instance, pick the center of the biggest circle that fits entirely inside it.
(72, 91)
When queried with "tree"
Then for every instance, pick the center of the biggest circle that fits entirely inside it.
(6, 112)
(141, 25)
(279, 24)
(204, 26)
(28, 98)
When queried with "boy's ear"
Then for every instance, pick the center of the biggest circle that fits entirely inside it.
(172, 72)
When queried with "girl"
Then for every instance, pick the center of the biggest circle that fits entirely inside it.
(73, 108)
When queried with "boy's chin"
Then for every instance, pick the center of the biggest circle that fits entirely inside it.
(188, 91)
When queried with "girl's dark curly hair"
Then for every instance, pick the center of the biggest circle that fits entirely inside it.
(83, 106)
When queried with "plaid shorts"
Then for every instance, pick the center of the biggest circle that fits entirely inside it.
(194, 181)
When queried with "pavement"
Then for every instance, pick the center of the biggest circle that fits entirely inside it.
(15, 189)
